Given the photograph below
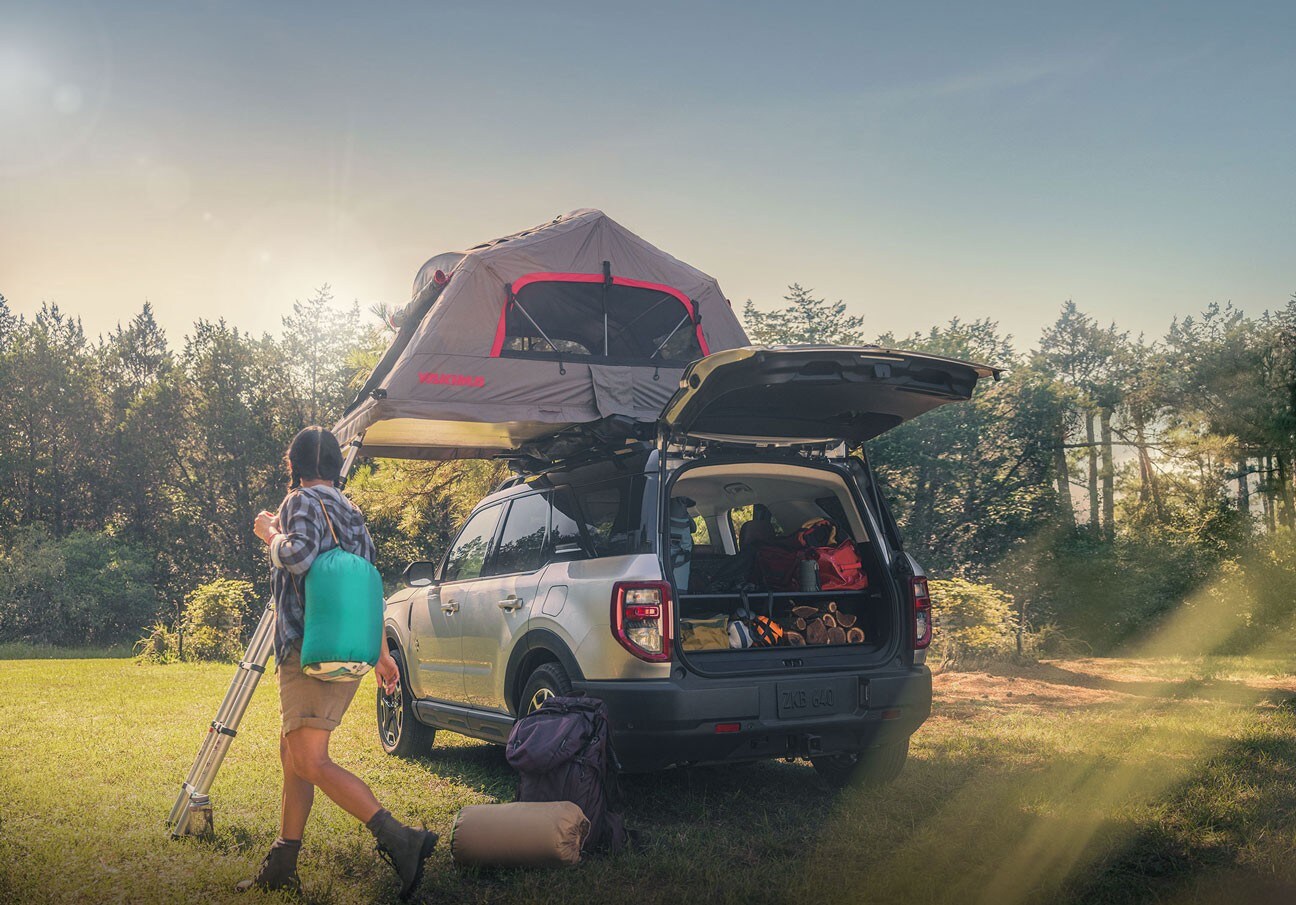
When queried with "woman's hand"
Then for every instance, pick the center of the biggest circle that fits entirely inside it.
(386, 672)
(266, 525)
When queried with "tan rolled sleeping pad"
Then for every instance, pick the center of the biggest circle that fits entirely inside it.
(519, 834)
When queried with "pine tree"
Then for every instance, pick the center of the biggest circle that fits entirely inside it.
(806, 319)
(317, 340)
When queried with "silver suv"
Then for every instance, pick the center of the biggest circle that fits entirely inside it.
(628, 572)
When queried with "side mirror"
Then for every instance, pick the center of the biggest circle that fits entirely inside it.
(420, 574)
(567, 553)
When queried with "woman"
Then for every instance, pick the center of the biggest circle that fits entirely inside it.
(312, 518)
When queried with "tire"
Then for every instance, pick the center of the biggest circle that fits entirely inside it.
(546, 681)
(872, 768)
(399, 731)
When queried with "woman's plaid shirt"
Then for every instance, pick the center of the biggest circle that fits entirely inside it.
(304, 536)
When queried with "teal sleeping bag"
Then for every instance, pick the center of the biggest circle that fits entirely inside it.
(344, 616)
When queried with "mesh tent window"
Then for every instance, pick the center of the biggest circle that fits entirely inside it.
(597, 316)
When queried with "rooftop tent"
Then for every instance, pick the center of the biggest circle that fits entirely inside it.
(573, 322)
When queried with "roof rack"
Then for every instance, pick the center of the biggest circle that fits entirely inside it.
(617, 434)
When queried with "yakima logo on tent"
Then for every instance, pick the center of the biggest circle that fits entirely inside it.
(458, 380)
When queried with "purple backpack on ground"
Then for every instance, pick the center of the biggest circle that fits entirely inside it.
(562, 752)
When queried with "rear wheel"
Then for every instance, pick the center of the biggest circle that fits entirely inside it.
(549, 680)
(871, 767)
(399, 731)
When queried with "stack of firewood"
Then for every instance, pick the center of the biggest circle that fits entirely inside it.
(821, 625)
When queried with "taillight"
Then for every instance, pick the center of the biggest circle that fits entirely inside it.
(922, 612)
(641, 618)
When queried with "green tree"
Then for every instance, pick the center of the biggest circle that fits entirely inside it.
(805, 319)
(970, 483)
(54, 417)
(10, 501)
(1083, 357)
(1226, 397)
(238, 422)
(317, 342)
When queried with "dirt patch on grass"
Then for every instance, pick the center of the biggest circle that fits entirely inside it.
(1089, 682)
(979, 689)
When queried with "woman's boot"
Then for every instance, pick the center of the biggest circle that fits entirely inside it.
(403, 847)
(278, 870)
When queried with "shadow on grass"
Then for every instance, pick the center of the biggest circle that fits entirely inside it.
(1199, 851)
(660, 797)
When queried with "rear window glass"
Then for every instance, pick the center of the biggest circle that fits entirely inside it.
(549, 318)
(613, 515)
(565, 528)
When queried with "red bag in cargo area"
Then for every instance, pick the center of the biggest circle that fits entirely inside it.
(840, 568)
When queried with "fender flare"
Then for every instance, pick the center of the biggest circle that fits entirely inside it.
(540, 639)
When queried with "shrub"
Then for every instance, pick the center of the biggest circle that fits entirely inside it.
(88, 588)
(1248, 608)
(213, 619)
(973, 621)
(210, 629)
(160, 645)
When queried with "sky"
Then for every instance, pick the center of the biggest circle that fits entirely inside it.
(918, 161)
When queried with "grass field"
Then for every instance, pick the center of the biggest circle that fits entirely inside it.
(1155, 780)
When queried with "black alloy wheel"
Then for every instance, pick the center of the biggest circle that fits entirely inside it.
(399, 731)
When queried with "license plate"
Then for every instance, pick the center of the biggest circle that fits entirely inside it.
(816, 697)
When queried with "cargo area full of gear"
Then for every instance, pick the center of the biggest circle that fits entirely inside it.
(774, 555)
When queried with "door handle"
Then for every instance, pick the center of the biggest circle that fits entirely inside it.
(510, 603)
(450, 606)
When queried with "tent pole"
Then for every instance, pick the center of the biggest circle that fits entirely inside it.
(669, 336)
(528, 316)
(348, 460)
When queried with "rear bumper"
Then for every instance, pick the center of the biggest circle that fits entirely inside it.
(659, 723)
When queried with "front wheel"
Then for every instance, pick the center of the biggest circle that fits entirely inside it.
(872, 767)
(399, 731)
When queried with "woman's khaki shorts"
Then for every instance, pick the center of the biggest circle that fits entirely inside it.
(310, 702)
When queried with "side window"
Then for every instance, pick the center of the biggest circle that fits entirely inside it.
(469, 552)
(754, 513)
(601, 505)
(522, 542)
(701, 531)
(564, 525)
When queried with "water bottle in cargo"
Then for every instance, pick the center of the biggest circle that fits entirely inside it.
(809, 575)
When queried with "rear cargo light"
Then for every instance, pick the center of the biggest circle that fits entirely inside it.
(641, 618)
(922, 612)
